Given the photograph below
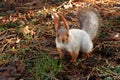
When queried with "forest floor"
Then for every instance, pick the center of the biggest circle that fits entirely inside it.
(27, 41)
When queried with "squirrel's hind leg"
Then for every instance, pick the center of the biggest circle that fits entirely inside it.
(74, 56)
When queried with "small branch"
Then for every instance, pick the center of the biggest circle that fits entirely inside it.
(51, 77)
(111, 39)
(61, 5)
(3, 37)
(90, 73)
(2, 49)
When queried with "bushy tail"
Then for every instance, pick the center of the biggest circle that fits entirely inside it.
(89, 21)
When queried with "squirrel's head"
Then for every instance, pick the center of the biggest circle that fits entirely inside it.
(62, 28)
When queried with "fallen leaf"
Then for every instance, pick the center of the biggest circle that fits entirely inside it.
(14, 50)
(25, 30)
(18, 40)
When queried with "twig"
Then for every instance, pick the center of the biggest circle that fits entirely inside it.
(61, 5)
(111, 39)
(3, 35)
(107, 71)
(51, 77)
(2, 49)
(12, 35)
(33, 2)
(90, 73)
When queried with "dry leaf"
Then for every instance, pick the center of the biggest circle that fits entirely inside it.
(32, 32)
(14, 50)
(117, 35)
(45, 12)
(4, 73)
(18, 40)
(25, 30)
(11, 41)
(68, 6)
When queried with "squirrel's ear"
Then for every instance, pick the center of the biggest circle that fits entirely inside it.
(56, 20)
(64, 21)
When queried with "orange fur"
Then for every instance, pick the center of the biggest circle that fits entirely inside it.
(60, 52)
(56, 20)
(74, 57)
(64, 21)
(86, 55)
(62, 36)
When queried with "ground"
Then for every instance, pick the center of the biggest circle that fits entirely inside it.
(27, 41)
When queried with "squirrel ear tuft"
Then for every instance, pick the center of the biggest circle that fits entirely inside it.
(56, 20)
(64, 21)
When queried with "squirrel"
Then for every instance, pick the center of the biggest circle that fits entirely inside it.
(76, 40)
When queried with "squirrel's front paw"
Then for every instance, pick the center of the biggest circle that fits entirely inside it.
(74, 57)
(72, 60)
(60, 52)
(86, 55)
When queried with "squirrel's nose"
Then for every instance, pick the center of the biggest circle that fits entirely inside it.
(63, 41)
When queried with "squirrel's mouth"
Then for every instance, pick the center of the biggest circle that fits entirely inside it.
(64, 41)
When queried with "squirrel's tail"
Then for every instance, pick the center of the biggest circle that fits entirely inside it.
(89, 21)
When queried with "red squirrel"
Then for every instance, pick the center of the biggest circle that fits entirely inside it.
(76, 40)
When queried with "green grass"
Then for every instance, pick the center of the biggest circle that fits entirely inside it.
(2, 28)
(109, 71)
(102, 34)
(47, 68)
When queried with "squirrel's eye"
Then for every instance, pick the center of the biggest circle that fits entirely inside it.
(57, 35)
(67, 35)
